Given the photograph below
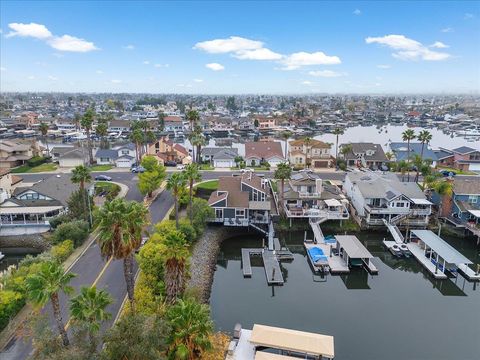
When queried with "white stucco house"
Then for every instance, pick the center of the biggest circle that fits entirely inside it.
(121, 156)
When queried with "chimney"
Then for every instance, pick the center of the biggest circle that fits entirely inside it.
(319, 185)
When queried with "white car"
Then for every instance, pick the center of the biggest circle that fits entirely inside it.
(246, 170)
(180, 167)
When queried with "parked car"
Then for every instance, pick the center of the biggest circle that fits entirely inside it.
(138, 169)
(247, 170)
(306, 170)
(180, 166)
(170, 163)
(103, 178)
(447, 173)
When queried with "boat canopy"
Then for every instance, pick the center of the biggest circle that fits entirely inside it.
(261, 355)
(421, 202)
(292, 340)
(353, 247)
(475, 213)
(442, 248)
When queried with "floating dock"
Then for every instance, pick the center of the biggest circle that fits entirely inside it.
(336, 264)
(272, 268)
(246, 265)
(419, 254)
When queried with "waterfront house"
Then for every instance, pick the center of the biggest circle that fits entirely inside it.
(400, 151)
(265, 123)
(259, 152)
(466, 158)
(306, 195)
(382, 196)
(119, 126)
(16, 153)
(29, 209)
(74, 157)
(66, 125)
(7, 184)
(57, 151)
(172, 123)
(445, 157)
(243, 200)
(219, 157)
(166, 150)
(368, 155)
(120, 156)
(315, 154)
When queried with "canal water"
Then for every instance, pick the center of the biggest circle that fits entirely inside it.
(401, 313)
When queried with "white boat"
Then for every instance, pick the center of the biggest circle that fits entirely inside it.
(1, 256)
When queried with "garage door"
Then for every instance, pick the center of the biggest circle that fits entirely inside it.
(320, 164)
(124, 163)
(223, 163)
(474, 167)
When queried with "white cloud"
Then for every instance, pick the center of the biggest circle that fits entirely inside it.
(306, 82)
(99, 72)
(299, 59)
(62, 43)
(408, 49)
(31, 77)
(198, 80)
(129, 47)
(468, 16)
(447, 30)
(257, 54)
(215, 66)
(146, 62)
(3, 69)
(326, 73)
(231, 44)
(162, 65)
(34, 30)
(357, 12)
(439, 45)
(53, 78)
(58, 55)
(384, 66)
(116, 81)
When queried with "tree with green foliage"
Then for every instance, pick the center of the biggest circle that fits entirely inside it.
(192, 117)
(337, 132)
(89, 309)
(76, 230)
(87, 123)
(256, 123)
(148, 182)
(175, 254)
(43, 128)
(200, 212)
(102, 131)
(408, 135)
(121, 224)
(230, 105)
(136, 136)
(45, 286)
(175, 184)
(161, 120)
(191, 175)
(443, 188)
(150, 163)
(79, 205)
(282, 173)
(191, 329)
(81, 175)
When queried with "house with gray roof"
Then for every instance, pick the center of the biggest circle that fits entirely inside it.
(120, 156)
(400, 151)
(220, 157)
(364, 154)
(382, 196)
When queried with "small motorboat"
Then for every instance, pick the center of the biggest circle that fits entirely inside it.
(1, 256)
(396, 251)
(405, 250)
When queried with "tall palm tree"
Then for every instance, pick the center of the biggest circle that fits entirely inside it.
(197, 139)
(282, 173)
(136, 137)
(81, 175)
(77, 120)
(175, 183)
(191, 329)
(307, 141)
(102, 131)
(87, 124)
(402, 166)
(424, 137)
(44, 285)
(192, 117)
(88, 309)
(120, 225)
(175, 254)
(44, 131)
(337, 132)
(408, 135)
(191, 175)
(285, 136)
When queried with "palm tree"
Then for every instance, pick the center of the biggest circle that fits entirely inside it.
(88, 309)
(285, 136)
(442, 188)
(191, 175)
(102, 131)
(307, 141)
(120, 225)
(192, 117)
(402, 166)
(44, 285)
(282, 173)
(81, 175)
(175, 184)
(175, 254)
(87, 123)
(44, 131)
(408, 135)
(77, 120)
(424, 137)
(337, 132)
(191, 329)
(197, 139)
(137, 138)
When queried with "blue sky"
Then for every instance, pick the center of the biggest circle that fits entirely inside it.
(240, 47)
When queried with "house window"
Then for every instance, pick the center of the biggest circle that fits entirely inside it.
(125, 152)
(400, 204)
(376, 202)
(104, 159)
(239, 213)
(472, 199)
(219, 213)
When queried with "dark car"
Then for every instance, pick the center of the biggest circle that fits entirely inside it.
(138, 169)
(170, 163)
(103, 178)
(447, 173)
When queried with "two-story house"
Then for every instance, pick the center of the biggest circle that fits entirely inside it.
(119, 126)
(306, 195)
(400, 151)
(313, 153)
(172, 123)
(120, 156)
(263, 151)
(219, 157)
(168, 151)
(466, 159)
(242, 201)
(368, 155)
(15, 153)
(382, 196)
(265, 123)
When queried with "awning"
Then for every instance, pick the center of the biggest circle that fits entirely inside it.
(421, 202)
(28, 210)
(332, 202)
(442, 248)
(475, 213)
(292, 340)
(353, 247)
(259, 205)
(260, 355)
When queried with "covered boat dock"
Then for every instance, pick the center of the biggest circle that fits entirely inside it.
(437, 256)
(354, 253)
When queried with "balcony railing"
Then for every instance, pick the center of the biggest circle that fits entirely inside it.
(308, 194)
(386, 210)
(317, 213)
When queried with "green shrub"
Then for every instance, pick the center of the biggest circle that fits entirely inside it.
(59, 219)
(36, 160)
(62, 251)
(187, 229)
(10, 304)
(77, 231)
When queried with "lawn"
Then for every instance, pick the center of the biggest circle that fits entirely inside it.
(456, 171)
(40, 168)
(105, 167)
(208, 185)
(206, 167)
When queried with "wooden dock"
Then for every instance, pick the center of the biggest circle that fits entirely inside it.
(336, 264)
(272, 268)
(246, 265)
(427, 264)
(468, 272)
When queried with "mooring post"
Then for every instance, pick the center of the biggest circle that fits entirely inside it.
(273, 274)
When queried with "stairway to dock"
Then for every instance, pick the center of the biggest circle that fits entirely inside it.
(395, 231)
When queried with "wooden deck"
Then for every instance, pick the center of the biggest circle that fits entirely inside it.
(272, 268)
(468, 273)
(336, 264)
(246, 265)
(427, 264)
